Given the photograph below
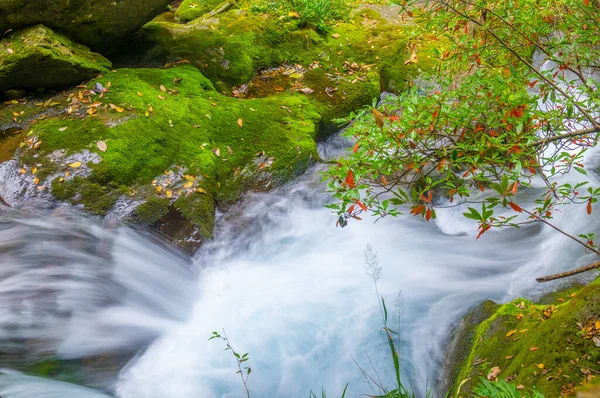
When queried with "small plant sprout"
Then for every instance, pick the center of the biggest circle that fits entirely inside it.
(243, 371)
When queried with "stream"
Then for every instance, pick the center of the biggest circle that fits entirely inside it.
(285, 284)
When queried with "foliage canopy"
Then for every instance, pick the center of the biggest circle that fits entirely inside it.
(512, 104)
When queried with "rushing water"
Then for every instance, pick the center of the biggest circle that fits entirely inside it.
(286, 285)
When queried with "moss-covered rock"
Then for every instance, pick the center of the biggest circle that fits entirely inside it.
(232, 46)
(165, 136)
(38, 57)
(539, 346)
(95, 23)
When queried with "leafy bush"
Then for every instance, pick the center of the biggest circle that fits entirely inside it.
(317, 14)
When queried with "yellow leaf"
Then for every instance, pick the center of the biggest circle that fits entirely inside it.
(23, 171)
(33, 170)
(540, 365)
(509, 357)
(139, 93)
(189, 177)
(161, 97)
(36, 181)
(74, 165)
(158, 188)
(188, 184)
(201, 190)
(169, 194)
(519, 316)
(335, 35)
(522, 330)
(240, 122)
(511, 333)
(67, 174)
(412, 60)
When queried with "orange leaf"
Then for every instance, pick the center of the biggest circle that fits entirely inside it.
(350, 179)
(515, 207)
(589, 207)
(510, 333)
(417, 209)
(240, 122)
(428, 214)
(351, 209)
(384, 181)
(514, 188)
(361, 205)
(355, 147)
(379, 118)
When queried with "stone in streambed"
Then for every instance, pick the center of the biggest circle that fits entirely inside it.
(36, 57)
(95, 23)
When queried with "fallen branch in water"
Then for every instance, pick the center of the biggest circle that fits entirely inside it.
(569, 273)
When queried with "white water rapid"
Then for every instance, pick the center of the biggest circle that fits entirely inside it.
(287, 286)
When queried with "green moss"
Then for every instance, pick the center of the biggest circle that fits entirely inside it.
(152, 210)
(538, 346)
(192, 9)
(200, 210)
(40, 57)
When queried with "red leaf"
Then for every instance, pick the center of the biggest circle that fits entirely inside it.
(586, 2)
(482, 229)
(428, 214)
(417, 209)
(355, 147)
(361, 205)
(351, 209)
(514, 188)
(350, 179)
(589, 207)
(515, 207)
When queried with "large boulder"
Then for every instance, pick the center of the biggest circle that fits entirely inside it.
(98, 23)
(38, 57)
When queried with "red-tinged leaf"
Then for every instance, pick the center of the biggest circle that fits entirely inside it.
(586, 2)
(350, 179)
(361, 205)
(435, 114)
(481, 188)
(428, 198)
(482, 229)
(384, 181)
(417, 209)
(428, 214)
(589, 207)
(394, 118)
(514, 188)
(515, 207)
(355, 149)
(351, 209)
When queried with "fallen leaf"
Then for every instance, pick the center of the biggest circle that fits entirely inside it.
(177, 80)
(493, 373)
(533, 349)
(510, 333)
(23, 171)
(169, 194)
(139, 93)
(307, 90)
(229, 150)
(201, 190)
(74, 165)
(240, 122)
(217, 151)
(188, 184)
(36, 181)
(509, 357)
(161, 97)
(10, 50)
(163, 89)
(540, 365)
(101, 145)
(33, 170)
(335, 35)
(62, 129)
